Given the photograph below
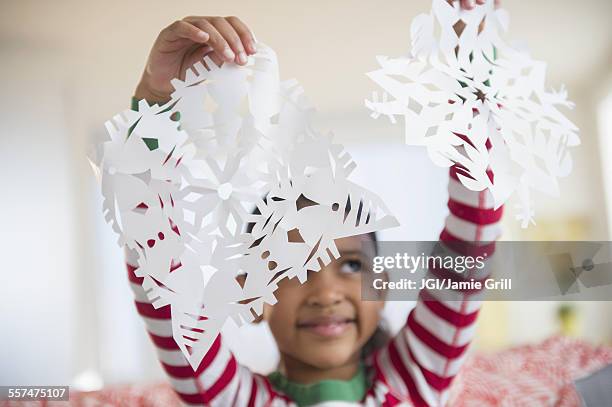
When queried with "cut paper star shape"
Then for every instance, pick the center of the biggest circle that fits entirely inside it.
(180, 182)
(475, 101)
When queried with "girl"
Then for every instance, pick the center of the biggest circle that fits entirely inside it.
(330, 343)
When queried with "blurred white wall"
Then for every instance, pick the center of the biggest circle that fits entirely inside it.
(67, 66)
(604, 121)
(39, 234)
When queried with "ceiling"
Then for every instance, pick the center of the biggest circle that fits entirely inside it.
(321, 43)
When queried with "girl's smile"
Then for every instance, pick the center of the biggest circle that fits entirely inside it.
(330, 326)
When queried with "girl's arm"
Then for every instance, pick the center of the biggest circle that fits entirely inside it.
(218, 381)
(427, 353)
(422, 360)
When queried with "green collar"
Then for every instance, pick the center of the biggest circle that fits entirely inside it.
(325, 390)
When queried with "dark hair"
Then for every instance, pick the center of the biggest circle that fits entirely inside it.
(378, 340)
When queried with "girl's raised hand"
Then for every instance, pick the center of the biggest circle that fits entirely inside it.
(186, 41)
(469, 4)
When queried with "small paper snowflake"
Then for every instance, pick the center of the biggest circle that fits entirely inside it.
(476, 102)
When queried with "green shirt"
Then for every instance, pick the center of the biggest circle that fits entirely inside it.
(352, 390)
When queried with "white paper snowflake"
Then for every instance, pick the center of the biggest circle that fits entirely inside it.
(475, 101)
(180, 182)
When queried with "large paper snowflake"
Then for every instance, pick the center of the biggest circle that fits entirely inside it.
(477, 102)
(180, 182)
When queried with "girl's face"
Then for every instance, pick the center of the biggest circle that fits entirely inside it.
(323, 323)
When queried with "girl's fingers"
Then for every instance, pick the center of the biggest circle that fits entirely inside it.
(183, 29)
(231, 36)
(209, 52)
(467, 4)
(201, 52)
(216, 40)
(204, 51)
(244, 33)
(216, 58)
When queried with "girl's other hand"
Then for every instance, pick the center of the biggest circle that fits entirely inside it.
(469, 4)
(185, 42)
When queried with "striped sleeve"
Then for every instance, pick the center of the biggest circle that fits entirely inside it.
(422, 360)
(218, 381)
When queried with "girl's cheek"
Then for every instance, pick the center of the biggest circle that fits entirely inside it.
(280, 317)
(370, 315)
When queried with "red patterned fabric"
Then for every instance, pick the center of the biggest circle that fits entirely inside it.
(533, 375)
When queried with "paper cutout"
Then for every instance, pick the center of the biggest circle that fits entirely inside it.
(180, 190)
(475, 84)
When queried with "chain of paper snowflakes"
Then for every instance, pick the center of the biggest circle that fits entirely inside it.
(475, 101)
(180, 182)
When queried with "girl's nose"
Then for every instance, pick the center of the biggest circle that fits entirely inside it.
(325, 290)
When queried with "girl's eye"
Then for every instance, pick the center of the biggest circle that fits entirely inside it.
(351, 266)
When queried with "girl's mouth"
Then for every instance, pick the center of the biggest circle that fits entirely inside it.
(328, 327)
